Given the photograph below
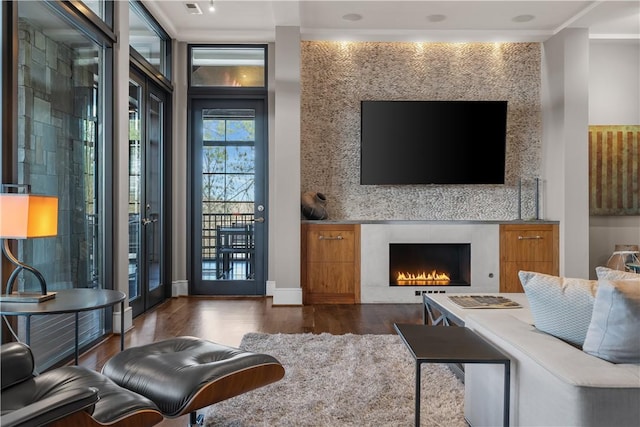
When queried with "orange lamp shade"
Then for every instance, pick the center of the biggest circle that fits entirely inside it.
(23, 216)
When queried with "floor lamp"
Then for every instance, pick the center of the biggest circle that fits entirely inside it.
(25, 216)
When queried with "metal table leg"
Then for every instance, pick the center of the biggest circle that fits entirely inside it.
(28, 332)
(417, 394)
(121, 325)
(76, 350)
(429, 318)
(507, 387)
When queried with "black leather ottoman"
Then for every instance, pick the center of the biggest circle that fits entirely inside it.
(184, 374)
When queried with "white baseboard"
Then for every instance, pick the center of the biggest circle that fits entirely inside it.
(271, 287)
(128, 320)
(179, 288)
(287, 296)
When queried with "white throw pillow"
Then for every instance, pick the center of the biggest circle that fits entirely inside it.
(560, 306)
(614, 332)
(611, 274)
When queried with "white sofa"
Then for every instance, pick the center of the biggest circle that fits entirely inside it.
(552, 383)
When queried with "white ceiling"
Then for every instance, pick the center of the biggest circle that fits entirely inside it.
(476, 20)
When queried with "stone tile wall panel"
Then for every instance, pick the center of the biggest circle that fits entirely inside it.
(336, 76)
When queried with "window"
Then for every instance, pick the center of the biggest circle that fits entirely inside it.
(148, 39)
(62, 104)
(228, 160)
(228, 66)
(103, 9)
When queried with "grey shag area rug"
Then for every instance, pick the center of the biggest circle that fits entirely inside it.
(342, 380)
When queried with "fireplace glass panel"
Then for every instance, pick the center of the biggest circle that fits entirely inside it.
(430, 264)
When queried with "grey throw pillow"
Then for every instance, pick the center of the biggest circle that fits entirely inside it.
(560, 306)
(614, 331)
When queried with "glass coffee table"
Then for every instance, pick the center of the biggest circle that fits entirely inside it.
(437, 344)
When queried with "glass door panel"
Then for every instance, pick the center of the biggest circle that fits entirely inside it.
(153, 206)
(230, 210)
(135, 167)
(146, 140)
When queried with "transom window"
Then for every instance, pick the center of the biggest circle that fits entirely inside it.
(148, 39)
(228, 66)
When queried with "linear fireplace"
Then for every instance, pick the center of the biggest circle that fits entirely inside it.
(429, 264)
(482, 237)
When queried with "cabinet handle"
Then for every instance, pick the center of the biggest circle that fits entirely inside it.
(529, 237)
(338, 237)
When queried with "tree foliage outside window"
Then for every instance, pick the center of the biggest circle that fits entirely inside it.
(228, 165)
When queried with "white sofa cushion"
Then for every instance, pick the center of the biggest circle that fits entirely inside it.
(560, 306)
(614, 331)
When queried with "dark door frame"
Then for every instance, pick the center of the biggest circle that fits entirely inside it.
(194, 165)
(164, 290)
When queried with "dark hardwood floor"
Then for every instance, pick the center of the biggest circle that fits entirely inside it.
(226, 320)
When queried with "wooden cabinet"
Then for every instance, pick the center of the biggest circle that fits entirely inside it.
(531, 247)
(330, 272)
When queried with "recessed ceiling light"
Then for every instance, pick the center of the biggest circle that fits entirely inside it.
(352, 17)
(523, 18)
(436, 18)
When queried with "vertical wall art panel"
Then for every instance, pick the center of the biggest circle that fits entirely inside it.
(614, 172)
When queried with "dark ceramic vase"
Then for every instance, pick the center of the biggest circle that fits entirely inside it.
(314, 205)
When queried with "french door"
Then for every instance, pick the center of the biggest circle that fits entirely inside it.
(229, 196)
(147, 120)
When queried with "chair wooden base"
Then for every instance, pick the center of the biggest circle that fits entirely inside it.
(234, 384)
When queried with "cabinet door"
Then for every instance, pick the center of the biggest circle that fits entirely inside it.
(529, 247)
(509, 279)
(330, 283)
(329, 245)
(330, 263)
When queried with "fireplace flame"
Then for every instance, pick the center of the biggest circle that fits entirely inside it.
(433, 278)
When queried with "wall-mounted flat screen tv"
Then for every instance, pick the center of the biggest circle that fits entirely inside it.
(432, 142)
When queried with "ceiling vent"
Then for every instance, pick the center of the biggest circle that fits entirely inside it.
(193, 8)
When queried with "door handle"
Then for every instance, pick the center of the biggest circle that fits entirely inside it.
(338, 237)
(147, 221)
(259, 219)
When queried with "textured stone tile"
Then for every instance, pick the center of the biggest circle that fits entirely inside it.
(336, 76)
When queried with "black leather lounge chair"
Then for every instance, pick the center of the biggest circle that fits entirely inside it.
(66, 396)
(137, 387)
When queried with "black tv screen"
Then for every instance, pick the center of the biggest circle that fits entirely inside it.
(432, 142)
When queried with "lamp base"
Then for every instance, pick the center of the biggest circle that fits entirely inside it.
(27, 297)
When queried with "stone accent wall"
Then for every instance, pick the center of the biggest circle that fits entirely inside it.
(336, 76)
